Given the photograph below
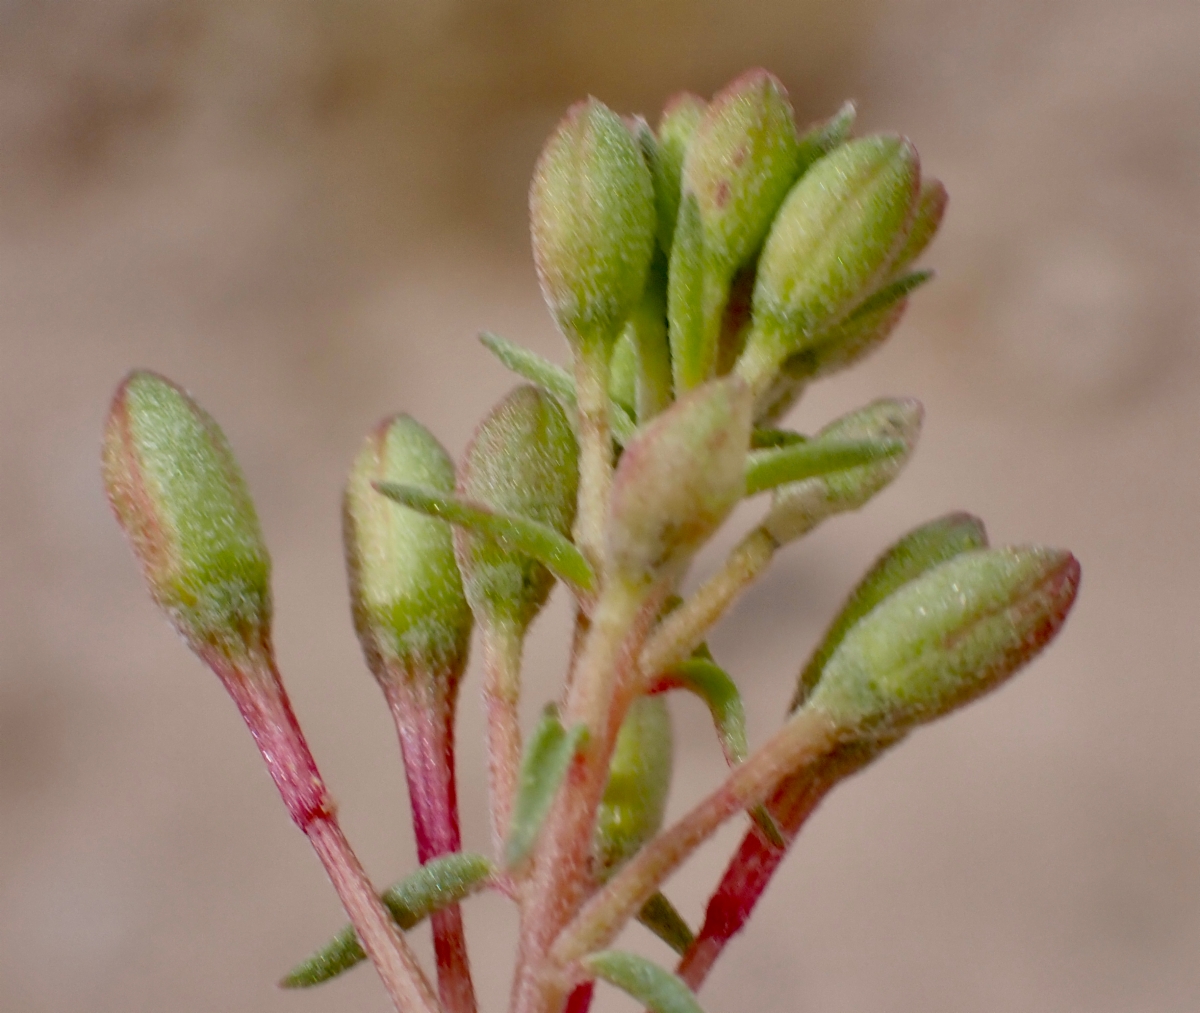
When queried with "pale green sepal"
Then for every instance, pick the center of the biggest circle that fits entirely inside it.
(551, 378)
(547, 759)
(659, 915)
(820, 139)
(516, 534)
(767, 469)
(654, 987)
(439, 883)
(918, 551)
(691, 361)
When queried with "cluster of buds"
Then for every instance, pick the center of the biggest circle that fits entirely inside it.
(702, 274)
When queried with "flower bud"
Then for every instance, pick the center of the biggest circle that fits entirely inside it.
(678, 480)
(592, 215)
(523, 460)
(740, 164)
(927, 219)
(676, 128)
(836, 233)
(406, 594)
(946, 638)
(639, 780)
(799, 507)
(916, 553)
(180, 496)
(622, 373)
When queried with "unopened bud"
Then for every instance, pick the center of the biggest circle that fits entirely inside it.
(927, 219)
(946, 638)
(639, 780)
(740, 165)
(407, 597)
(592, 216)
(523, 460)
(676, 128)
(916, 553)
(679, 479)
(179, 494)
(799, 507)
(838, 230)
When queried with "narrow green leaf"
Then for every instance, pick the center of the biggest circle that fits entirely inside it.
(553, 379)
(685, 299)
(546, 761)
(438, 884)
(768, 469)
(890, 294)
(517, 534)
(659, 915)
(654, 987)
(918, 551)
(712, 684)
(766, 438)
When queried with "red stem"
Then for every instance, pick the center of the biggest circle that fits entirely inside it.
(425, 725)
(581, 999)
(755, 862)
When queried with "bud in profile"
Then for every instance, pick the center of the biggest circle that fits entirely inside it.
(676, 128)
(592, 215)
(916, 553)
(679, 479)
(639, 780)
(836, 233)
(799, 507)
(409, 608)
(522, 460)
(946, 638)
(740, 164)
(927, 219)
(180, 496)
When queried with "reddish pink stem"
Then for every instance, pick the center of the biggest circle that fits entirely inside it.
(581, 999)
(755, 862)
(425, 725)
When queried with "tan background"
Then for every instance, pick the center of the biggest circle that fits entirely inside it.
(304, 210)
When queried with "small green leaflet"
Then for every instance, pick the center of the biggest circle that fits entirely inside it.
(547, 759)
(438, 884)
(659, 915)
(518, 534)
(552, 379)
(768, 469)
(712, 684)
(654, 987)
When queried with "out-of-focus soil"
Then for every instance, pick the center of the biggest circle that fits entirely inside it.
(305, 211)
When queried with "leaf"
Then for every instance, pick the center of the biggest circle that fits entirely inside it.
(654, 987)
(551, 378)
(659, 915)
(766, 438)
(712, 684)
(891, 293)
(518, 534)
(768, 469)
(439, 883)
(546, 761)
(918, 551)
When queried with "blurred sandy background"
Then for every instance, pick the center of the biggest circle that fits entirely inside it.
(304, 210)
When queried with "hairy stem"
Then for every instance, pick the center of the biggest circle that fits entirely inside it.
(502, 645)
(681, 631)
(595, 446)
(807, 737)
(424, 719)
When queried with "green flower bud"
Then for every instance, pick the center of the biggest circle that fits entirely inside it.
(639, 780)
(678, 480)
(676, 128)
(836, 233)
(799, 507)
(406, 594)
(927, 219)
(592, 215)
(916, 553)
(742, 160)
(180, 496)
(946, 638)
(522, 460)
